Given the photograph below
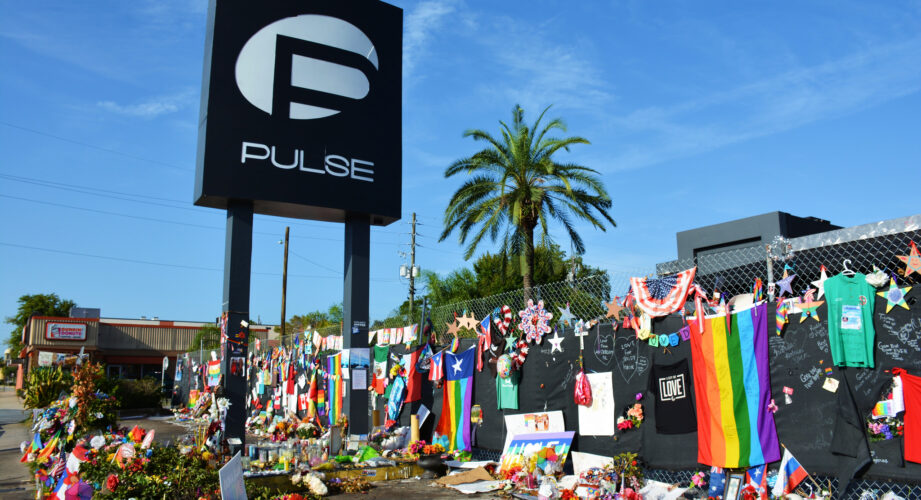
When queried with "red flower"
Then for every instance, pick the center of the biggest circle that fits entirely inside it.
(112, 482)
(633, 463)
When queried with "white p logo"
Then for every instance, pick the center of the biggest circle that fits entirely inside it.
(306, 67)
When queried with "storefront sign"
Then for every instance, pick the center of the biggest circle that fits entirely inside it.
(301, 109)
(45, 358)
(65, 331)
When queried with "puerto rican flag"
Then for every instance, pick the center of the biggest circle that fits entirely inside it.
(437, 372)
(791, 473)
(757, 478)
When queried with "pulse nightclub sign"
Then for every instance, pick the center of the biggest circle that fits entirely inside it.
(301, 109)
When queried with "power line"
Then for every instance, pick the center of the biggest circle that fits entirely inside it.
(100, 148)
(164, 221)
(163, 264)
(316, 263)
(120, 195)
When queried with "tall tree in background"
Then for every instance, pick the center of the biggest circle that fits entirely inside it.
(516, 186)
(40, 304)
(315, 320)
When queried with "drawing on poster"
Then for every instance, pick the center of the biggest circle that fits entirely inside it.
(527, 423)
(598, 419)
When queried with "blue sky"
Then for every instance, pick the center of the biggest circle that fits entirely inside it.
(698, 113)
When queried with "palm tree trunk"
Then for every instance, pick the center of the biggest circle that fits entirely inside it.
(527, 263)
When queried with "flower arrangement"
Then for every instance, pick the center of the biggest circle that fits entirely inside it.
(415, 447)
(627, 466)
(307, 430)
(433, 449)
(421, 448)
(632, 418)
(311, 480)
(699, 480)
(884, 429)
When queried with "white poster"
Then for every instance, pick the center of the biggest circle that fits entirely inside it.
(45, 358)
(584, 461)
(598, 419)
(529, 423)
(359, 379)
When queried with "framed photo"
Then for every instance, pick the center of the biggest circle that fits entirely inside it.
(733, 486)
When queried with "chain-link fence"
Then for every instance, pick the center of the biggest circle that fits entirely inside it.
(859, 489)
(862, 249)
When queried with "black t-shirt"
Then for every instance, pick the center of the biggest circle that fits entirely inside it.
(671, 386)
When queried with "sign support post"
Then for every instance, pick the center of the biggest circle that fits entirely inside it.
(355, 312)
(238, 251)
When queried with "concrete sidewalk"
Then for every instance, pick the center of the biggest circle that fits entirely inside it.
(15, 481)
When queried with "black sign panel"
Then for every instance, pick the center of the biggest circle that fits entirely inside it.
(301, 109)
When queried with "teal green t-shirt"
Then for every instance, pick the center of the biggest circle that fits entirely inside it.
(850, 302)
(507, 392)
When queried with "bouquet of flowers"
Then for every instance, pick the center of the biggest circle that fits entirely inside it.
(699, 480)
(632, 418)
(886, 428)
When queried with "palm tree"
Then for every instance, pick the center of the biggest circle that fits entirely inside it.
(516, 186)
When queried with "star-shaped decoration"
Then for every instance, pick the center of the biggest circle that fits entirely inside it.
(820, 283)
(555, 342)
(566, 318)
(614, 308)
(912, 260)
(458, 365)
(784, 284)
(808, 309)
(468, 322)
(510, 343)
(453, 327)
(894, 296)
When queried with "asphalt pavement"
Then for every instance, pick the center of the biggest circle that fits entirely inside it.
(15, 481)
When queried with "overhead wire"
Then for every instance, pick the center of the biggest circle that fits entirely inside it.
(164, 264)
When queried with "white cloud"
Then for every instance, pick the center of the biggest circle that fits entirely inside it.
(539, 71)
(150, 108)
(784, 102)
(424, 18)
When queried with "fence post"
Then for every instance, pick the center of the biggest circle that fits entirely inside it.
(770, 276)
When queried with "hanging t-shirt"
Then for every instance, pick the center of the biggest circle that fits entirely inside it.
(507, 391)
(911, 391)
(670, 384)
(850, 302)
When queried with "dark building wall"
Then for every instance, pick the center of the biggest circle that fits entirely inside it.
(748, 232)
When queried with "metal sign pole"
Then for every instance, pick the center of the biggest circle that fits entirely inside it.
(238, 251)
(355, 313)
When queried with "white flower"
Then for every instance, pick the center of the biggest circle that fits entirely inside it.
(296, 479)
(315, 484)
(97, 442)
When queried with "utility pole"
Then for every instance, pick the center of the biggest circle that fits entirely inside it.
(412, 269)
(284, 282)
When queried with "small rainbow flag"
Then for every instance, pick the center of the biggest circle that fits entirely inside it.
(782, 316)
(334, 372)
(733, 388)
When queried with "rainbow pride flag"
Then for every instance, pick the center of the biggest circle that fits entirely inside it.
(732, 383)
(334, 371)
(457, 395)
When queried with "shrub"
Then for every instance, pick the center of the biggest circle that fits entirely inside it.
(135, 394)
(43, 386)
